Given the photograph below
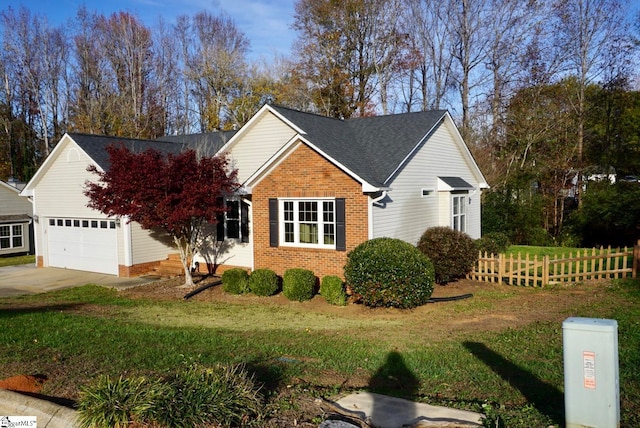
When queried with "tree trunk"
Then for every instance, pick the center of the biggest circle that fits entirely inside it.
(186, 256)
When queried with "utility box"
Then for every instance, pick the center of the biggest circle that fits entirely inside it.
(591, 374)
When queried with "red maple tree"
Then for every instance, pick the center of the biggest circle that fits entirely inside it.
(177, 193)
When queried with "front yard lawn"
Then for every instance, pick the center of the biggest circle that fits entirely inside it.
(17, 260)
(499, 352)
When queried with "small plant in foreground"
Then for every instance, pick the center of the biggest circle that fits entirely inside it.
(264, 282)
(452, 252)
(333, 290)
(235, 281)
(298, 284)
(388, 272)
(193, 396)
(118, 402)
(219, 396)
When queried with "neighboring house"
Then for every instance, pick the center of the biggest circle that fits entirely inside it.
(313, 188)
(16, 229)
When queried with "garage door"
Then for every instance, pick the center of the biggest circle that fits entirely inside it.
(83, 244)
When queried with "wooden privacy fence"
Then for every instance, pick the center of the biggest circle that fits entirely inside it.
(584, 265)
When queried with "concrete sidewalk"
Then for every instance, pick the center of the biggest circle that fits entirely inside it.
(48, 415)
(382, 411)
(27, 279)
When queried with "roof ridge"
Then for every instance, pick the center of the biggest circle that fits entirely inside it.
(309, 113)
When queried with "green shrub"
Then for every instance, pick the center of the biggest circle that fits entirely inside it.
(235, 281)
(298, 284)
(453, 253)
(263, 282)
(493, 243)
(118, 402)
(333, 290)
(192, 396)
(201, 396)
(389, 273)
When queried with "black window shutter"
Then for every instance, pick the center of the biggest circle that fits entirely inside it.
(273, 222)
(341, 244)
(244, 221)
(220, 222)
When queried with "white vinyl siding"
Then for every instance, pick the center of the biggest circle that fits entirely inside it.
(149, 246)
(60, 191)
(259, 144)
(11, 203)
(406, 213)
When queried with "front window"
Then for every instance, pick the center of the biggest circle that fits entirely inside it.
(307, 222)
(459, 220)
(11, 236)
(234, 222)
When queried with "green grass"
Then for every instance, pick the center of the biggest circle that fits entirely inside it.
(17, 260)
(514, 374)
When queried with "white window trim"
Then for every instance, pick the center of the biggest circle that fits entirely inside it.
(11, 236)
(296, 222)
(462, 203)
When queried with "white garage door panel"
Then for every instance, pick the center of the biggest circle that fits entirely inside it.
(92, 249)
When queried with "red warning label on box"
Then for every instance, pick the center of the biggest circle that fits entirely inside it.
(589, 369)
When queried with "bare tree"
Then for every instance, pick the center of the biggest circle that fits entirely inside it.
(432, 39)
(586, 30)
(469, 22)
(215, 66)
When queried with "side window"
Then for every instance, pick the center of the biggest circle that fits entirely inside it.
(234, 223)
(459, 212)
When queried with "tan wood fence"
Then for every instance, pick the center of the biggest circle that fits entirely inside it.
(537, 271)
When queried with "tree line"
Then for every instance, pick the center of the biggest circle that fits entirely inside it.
(544, 92)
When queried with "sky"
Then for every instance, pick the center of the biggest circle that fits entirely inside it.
(266, 23)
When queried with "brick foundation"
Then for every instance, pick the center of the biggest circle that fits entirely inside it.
(137, 270)
(39, 261)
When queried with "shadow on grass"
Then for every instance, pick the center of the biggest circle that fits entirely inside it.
(8, 312)
(546, 398)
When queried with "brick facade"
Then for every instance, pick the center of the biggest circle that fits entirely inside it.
(304, 173)
(137, 270)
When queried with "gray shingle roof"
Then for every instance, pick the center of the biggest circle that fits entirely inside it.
(204, 144)
(207, 144)
(372, 147)
(96, 146)
(456, 183)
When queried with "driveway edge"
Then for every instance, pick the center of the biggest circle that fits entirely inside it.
(48, 414)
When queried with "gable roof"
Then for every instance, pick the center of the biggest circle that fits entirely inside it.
(374, 147)
(207, 144)
(95, 146)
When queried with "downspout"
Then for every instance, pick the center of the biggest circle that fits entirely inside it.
(127, 241)
(374, 201)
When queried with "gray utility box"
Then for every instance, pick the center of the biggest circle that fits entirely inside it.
(591, 379)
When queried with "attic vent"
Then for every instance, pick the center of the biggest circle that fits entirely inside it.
(426, 192)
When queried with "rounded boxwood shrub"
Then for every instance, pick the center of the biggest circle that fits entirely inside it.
(298, 284)
(263, 282)
(235, 281)
(388, 272)
(333, 290)
(493, 243)
(452, 252)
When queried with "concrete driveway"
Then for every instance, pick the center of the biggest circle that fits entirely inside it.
(27, 279)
